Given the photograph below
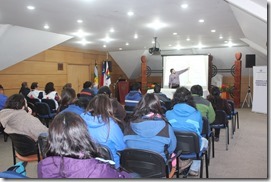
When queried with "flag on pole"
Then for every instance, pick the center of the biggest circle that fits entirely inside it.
(96, 74)
(107, 78)
(103, 72)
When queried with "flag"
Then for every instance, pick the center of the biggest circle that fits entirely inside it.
(107, 78)
(103, 72)
(96, 74)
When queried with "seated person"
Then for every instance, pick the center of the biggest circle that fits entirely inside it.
(3, 97)
(68, 96)
(133, 97)
(24, 90)
(165, 101)
(103, 126)
(35, 93)
(203, 105)
(86, 92)
(71, 153)
(185, 117)
(16, 118)
(148, 129)
(51, 93)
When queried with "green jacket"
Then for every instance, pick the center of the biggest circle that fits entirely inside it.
(205, 107)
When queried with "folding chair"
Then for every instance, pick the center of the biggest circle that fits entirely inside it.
(208, 133)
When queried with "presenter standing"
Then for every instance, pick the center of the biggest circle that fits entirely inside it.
(174, 80)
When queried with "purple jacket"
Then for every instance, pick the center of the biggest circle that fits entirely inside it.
(57, 167)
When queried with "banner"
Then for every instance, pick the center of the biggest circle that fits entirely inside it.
(96, 75)
(103, 72)
(107, 78)
(259, 89)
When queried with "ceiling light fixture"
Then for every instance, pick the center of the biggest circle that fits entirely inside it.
(188, 39)
(83, 42)
(46, 27)
(135, 36)
(220, 37)
(107, 39)
(80, 33)
(213, 30)
(201, 20)
(127, 43)
(175, 33)
(120, 49)
(104, 46)
(157, 25)
(112, 30)
(79, 21)
(130, 13)
(184, 6)
(31, 7)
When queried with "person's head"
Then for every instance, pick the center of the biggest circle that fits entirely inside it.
(172, 70)
(68, 96)
(215, 91)
(1, 89)
(148, 103)
(197, 89)
(87, 84)
(24, 85)
(49, 87)
(34, 85)
(136, 86)
(67, 85)
(82, 102)
(157, 88)
(183, 95)
(101, 105)
(69, 137)
(16, 101)
(105, 90)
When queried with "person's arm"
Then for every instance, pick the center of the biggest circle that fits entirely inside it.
(116, 135)
(226, 106)
(170, 81)
(182, 71)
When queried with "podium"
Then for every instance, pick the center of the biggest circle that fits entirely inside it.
(122, 90)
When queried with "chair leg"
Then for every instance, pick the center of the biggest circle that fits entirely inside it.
(227, 137)
(14, 155)
(232, 127)
(5, 137)
(206, 166)
(201, 168)
(237, 120)
(177, 168)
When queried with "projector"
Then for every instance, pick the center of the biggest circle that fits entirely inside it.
(154, 51)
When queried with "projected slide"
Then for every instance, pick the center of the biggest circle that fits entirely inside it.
(197, 73)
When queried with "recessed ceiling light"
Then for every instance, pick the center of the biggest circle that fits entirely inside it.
(127, 43)
(184, 6)
(188, 39)
(83, 42)
(169, 45)
(156, 25)
(178, 47)
(220, 37)
(130, 13)
(199, 46)
(201, 20)
(112, 30)
(135, 36)
(226, 41)
(213, 30)
(80, 33)
(120, 49)
(175, 33)
(230, 44)
(107, 39)
(104, 46)
(31, 7)
(79, 21)
(46, 27)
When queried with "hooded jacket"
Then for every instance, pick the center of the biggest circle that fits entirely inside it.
(108, 134)
(183, 118)
(151, 134)
(21, 122)
(66, 167)
(132, 98)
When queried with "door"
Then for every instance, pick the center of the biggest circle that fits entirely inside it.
(77, 75)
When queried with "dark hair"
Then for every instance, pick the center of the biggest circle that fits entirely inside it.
(101, 105)
(1, 87)
(67, 96)
(171, 70)
(136, 86)
(87, 84)
(82, 102)
(15, 101)
(49, 87)
(215, 91)
(34, 85)
(24, 84)
(104, 90)
(183, 95)
(157, 88)
(67, 85)
(196, 89)
(148, 103)
(69, 137)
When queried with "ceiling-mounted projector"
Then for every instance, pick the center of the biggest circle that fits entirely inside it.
(155, 50)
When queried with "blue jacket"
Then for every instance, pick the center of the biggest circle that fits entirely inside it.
(182, 117)
(132, 98)
(74, 108)
(106, 134)
(151, 135)
(3, 100)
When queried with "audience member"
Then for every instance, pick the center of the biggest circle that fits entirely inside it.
(185, 117)
(35, 93)
(67, 85)
(118, 110)
(86, 91)
(71, 153)
(203, 105)
(3, 97)
(51, 93)
(102, 125)
(68, 96)
(218, 104)
(24, 89)
(165, 101)
(149, 130)
(133, 97)
(16, 118)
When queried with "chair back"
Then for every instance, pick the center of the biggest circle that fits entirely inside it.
(23, 144)
(146, 163)
(105, 151)
(205, 128)
(187, 142)
(33, 100)
(51, 103)
(42, 143)
(220, 118)
(43, 109)
(231, 104)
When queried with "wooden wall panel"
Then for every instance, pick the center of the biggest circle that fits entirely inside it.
(54, 56)
(38, 57)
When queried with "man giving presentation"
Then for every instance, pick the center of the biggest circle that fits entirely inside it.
(174, 80)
